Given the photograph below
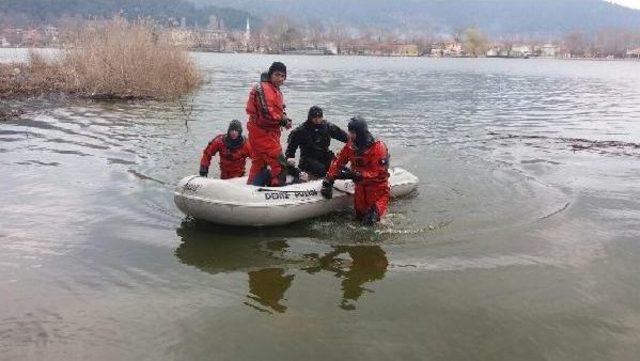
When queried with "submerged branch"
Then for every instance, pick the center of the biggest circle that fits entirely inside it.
(577, 144)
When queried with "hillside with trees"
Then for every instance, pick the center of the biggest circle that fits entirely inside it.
(494, 17)
(23, 13)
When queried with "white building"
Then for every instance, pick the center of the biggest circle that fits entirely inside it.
(331, 49)
(493, 52)
(633, 53)
(451, 48)
(524, 50)
(549, 51)
(183, 37)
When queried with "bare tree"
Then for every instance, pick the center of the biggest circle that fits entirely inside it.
(576, 43)
(283, 33)
(339, 34)
(458, 34)
(475, 42)
(317, 33)
(616, 42)
(424, 43)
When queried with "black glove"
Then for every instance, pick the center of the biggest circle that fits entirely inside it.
(327, 189)
(204, 171)
(372, 217)
(286, 122)
(348, 173)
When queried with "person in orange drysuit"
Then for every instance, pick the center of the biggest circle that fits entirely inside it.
(234, 150)
(369, 171)
(266, 111)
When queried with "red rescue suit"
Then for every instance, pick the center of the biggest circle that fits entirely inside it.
(232, 161)
(265, 108)
(373, 165)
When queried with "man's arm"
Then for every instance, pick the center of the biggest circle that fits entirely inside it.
(293, 142)
(338, 134)
(246, 149)
(252, 108)
(341, 160)
(212, 148)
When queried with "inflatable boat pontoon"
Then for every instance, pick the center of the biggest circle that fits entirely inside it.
(233, 202)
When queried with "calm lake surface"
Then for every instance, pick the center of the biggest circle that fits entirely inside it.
(523, 242)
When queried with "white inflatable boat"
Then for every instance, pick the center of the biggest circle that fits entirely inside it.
(233, 202)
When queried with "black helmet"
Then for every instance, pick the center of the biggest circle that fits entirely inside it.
(277, 66)
(235, 125)
(314, 112)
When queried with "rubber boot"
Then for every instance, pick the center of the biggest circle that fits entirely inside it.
(371, 218)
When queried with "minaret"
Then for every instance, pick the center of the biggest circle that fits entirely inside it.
(247, 35)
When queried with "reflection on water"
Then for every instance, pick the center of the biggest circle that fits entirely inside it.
(270, 264)
(367, 264)
(267, 287)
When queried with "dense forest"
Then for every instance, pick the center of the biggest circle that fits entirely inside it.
(21, 13)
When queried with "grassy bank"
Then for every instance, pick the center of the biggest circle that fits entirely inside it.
(112, 60)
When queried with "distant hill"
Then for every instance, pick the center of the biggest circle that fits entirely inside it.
(26, 12)
(496, 17)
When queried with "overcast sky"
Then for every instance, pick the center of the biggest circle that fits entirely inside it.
(630, 3)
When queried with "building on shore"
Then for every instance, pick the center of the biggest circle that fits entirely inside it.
(210, 40)
(405, 50)
(357, 49)
(633, 53)
(549, 51)
(182, 37)
(322, 49)
(380, 49)
(213, 40)
(447, 49)
(493, 52)
(330, 48)
(520, 51)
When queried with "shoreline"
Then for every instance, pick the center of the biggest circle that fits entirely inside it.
(200, 51)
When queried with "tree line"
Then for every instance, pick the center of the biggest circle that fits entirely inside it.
(281, 33)
(26, 13)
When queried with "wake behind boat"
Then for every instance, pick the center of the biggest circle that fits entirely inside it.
(233, 202)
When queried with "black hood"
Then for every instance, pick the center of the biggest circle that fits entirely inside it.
(234, 143)
(364, 139)
(314, 112)
(235, 125)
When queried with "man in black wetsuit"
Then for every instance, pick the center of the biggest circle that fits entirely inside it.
(313, 137)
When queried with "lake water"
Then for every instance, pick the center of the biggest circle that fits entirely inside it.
(522, 243)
